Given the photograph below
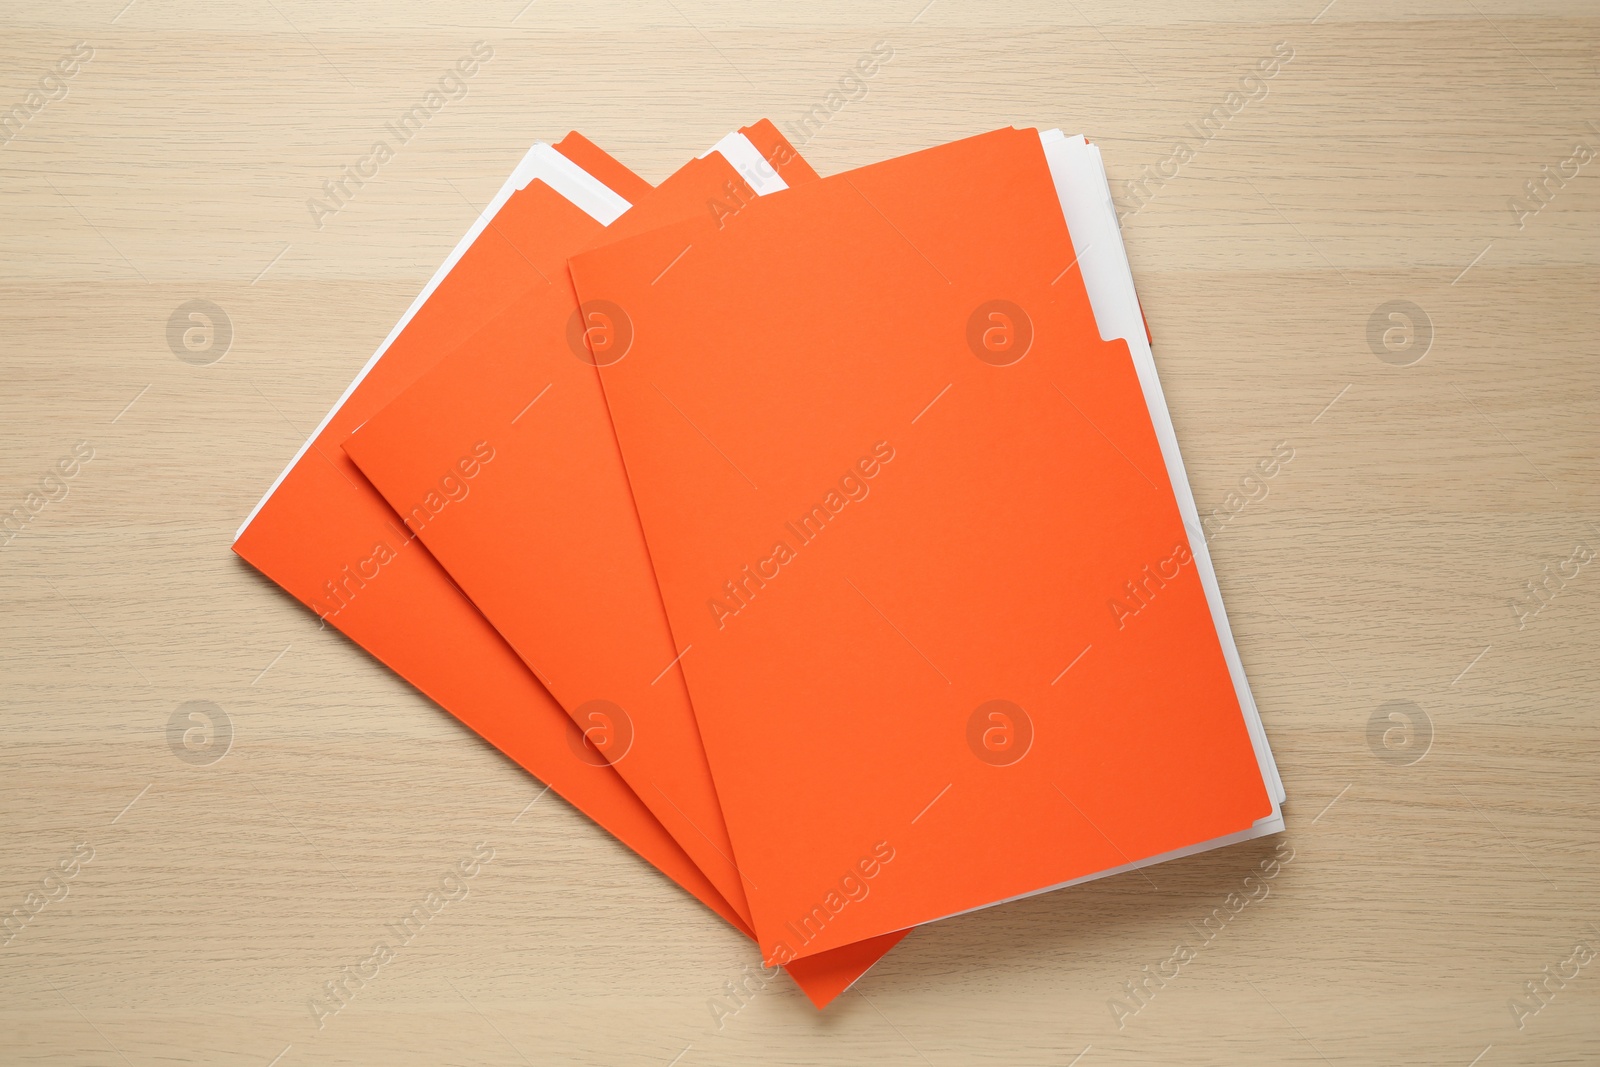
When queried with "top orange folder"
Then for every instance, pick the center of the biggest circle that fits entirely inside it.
(327, 537)
(913, 529)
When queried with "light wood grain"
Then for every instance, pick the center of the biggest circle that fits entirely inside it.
(1379, 567)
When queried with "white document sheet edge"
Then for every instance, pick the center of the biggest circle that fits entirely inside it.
(1085, 195)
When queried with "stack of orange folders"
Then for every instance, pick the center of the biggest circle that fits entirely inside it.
(824, 539)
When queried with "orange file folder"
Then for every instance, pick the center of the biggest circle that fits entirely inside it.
(330, 540)
(913, 530)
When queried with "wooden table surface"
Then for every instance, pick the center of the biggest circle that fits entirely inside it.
(1433, 715)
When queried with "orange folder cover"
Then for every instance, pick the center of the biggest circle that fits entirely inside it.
(912, 524)
(330, 540)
